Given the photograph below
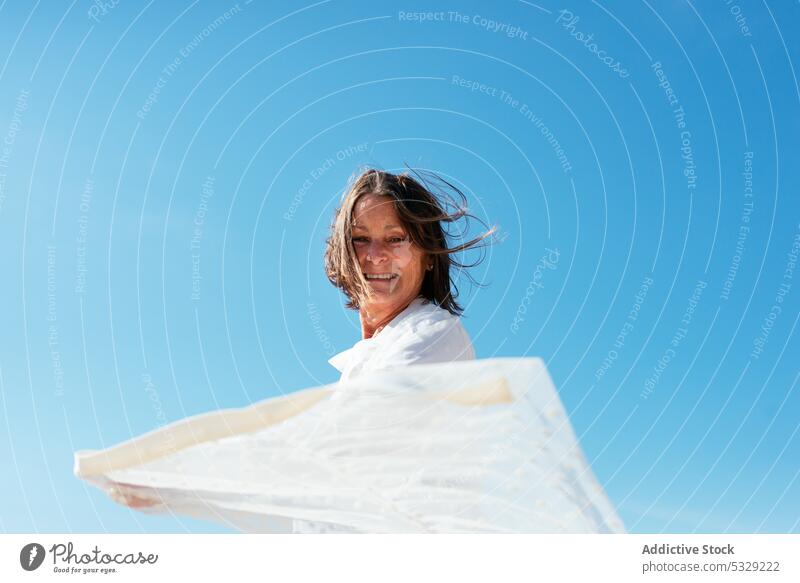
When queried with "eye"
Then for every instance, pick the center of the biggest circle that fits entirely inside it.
(358, 239)
(396, 239)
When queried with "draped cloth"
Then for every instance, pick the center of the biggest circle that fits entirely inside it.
(473, 446)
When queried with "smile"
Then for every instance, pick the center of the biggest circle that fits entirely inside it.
(380, 275)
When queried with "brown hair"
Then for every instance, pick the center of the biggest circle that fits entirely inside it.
(421, 214)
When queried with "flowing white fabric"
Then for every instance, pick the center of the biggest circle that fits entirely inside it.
(460, 447)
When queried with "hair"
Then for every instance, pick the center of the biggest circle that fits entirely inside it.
(421, 214)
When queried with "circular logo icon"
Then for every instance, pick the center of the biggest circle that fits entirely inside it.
(31, 556)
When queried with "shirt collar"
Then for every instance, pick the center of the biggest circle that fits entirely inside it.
(341, 360)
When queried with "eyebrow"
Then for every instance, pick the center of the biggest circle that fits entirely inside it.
(386, 228)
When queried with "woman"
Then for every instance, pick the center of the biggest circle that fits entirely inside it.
(451, 444)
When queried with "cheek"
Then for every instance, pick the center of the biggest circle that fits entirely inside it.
(404, 256)
(409, 259)
(361, 255)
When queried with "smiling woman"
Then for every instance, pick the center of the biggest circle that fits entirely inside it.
(451, 444)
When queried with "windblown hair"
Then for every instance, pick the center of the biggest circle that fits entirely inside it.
(422, 215)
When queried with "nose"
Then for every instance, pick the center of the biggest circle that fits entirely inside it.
(376, 252)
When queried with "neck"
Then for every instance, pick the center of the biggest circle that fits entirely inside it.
(374, 319)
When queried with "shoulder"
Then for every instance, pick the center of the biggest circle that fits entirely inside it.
(429, 334)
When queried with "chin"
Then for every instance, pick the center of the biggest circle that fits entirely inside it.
(384, 298)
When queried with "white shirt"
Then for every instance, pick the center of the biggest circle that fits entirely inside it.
(422, 333)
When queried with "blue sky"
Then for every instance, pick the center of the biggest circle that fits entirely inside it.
(168, 174)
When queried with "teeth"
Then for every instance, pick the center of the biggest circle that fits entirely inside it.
(379, 276)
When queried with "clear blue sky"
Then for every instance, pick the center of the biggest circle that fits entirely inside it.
(169, 171)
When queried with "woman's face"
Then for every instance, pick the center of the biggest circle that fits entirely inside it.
(393, 265)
